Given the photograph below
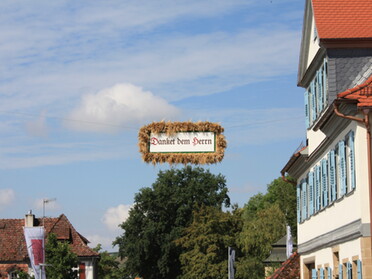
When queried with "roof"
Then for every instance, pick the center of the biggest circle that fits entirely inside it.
(343, 19)
(293, 159)
(361, 93)
(279, 251)
(290, 269)
(13, 245)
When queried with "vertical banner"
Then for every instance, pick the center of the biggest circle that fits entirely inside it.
(35, 247)
(231, 262)
(289, 242)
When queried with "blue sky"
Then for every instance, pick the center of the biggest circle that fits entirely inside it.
(79, 78)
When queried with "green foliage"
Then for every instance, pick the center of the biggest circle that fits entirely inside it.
(108, 266)
(160, 214)
(259, 233)
(24, 275)
(60, 260)
(206, 243)
(284, 194)
(265, 217)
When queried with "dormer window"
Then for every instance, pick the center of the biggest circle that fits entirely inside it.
(13, 275)
(316, 96)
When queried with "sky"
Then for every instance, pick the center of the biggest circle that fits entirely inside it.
(78, 79)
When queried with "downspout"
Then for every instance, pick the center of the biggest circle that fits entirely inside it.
(288, 181)
(366, 123)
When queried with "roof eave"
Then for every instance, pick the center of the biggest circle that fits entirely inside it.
(346, 42)
(293, 160)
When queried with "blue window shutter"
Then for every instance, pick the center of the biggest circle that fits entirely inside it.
(325, 182)
(349, 271)
(359, 269)
(342, 164)
(329, 273)
(340, 271)
(321, 271)
(307, 109)
(352, 159)
(332, 175)
(311, 193)
(317, 188)
(313, 101)
(304, 200)
(298, 203)
(319, 91)
(325, 82)
(314, 274)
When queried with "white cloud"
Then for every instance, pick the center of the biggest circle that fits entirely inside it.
(6, 197)
(114, 216)
(38, 127)
(105, 241)
(118, 107)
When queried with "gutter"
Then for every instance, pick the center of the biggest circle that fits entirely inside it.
(291, 161)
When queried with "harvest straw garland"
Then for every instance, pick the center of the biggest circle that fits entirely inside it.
(171, 128)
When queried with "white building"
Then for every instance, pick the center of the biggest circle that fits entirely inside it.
(333, 170)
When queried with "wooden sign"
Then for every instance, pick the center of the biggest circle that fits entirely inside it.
(182, 142)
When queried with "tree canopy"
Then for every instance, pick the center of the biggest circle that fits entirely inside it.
(206, 243)
(265, 217)
(60, 259)
(159, 216)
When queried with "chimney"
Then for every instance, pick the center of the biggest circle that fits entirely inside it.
(29, 219)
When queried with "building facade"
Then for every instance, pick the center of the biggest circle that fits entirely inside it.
(13, 250)
(333, 169)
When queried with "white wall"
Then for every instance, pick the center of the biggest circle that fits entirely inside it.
(350, 207)
(314, 45)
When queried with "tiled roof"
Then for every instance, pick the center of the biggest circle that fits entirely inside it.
(290, 269)
(362, 93)
(343, 19)
(13, 245)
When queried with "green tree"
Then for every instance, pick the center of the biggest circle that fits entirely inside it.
(256, 238)
(264, 222)
(160, 214)
(108, 265)
(60, 260)
(24, 275)
(206, 241)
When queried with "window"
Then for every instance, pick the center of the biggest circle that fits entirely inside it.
(348, 270)
(340, 271)
(316, 97)
(321, 273)
(351, 160)
(329, 273)
(314, 274)
(309, 270)
(315, 32)
(324, 172)
(330, 179)
(342, 167)
(332, 175)
(13, 275)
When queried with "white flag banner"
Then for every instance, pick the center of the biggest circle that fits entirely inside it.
(231, 263)
(35, 247)
(289, 242)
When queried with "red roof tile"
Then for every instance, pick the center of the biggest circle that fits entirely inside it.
(290, 269)
(362, 93)
(13, 245)
(343, 19)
